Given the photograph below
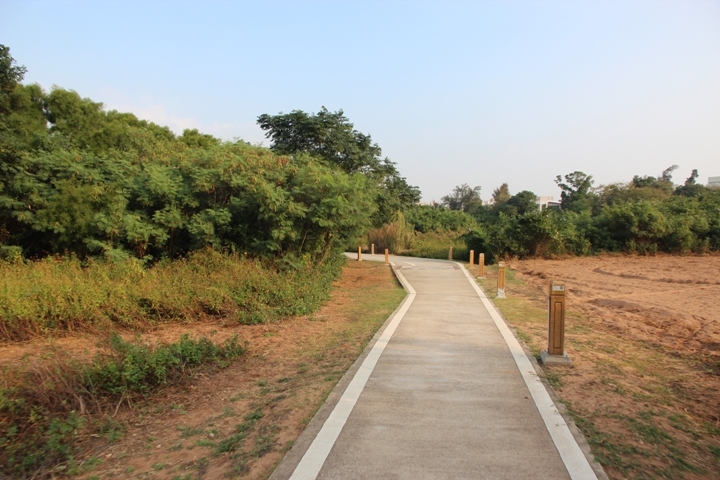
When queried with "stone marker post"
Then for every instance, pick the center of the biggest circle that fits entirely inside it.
(481, 265)
(472, 257)
(372, 249)
(555, 353)
(387, 257)
(359, 254)
(450, 254)
(500, 280)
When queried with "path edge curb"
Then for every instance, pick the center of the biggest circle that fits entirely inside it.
(577, 435)
(289, 463)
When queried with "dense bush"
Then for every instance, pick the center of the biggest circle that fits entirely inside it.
(77, 179)
(646, 215)
(172, 199)
(427, 218)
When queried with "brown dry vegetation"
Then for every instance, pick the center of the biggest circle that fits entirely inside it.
(239, 422)
(644, 337)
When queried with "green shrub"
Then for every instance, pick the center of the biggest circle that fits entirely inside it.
(426, 218)
(478, 241)
(11, 254)
(137, 368)
(52, 407)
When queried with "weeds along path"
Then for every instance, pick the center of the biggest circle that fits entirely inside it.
(237, 422)
(644, 337)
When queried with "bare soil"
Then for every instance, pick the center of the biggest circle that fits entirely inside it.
(238, 422)
(643, 334)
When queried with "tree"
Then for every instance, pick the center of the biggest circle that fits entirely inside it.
(663, 183)
(329, 136)
(78, 119)
(501, 194)
(691, 188)
(667, 173)
(10, 74)
(326, 135)
(193, 138)
(576, 190)
(521, 203)
(463, 198)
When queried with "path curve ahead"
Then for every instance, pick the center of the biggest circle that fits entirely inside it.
(444, 391)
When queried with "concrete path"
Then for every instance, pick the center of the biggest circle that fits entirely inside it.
(444, 392)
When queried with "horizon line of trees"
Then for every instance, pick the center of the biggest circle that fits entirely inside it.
(77, 179)
(645, 215)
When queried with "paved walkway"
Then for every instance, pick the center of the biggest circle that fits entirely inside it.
(445, 392)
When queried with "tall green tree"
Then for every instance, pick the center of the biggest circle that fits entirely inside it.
(10, 73)
(501, 195)
(691, 188)
(331, 137)
(463, 197)
(520, 204)
(576, 191)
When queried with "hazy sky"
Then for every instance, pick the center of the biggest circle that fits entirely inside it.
(481, 92)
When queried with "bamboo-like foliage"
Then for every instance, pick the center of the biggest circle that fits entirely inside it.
(396, 236)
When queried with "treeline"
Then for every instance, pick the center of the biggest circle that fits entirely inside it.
(77, 179)
(646, 215)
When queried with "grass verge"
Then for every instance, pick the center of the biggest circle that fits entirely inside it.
(55, 296)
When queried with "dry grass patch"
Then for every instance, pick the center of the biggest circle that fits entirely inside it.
(238, 422)
(646, 398)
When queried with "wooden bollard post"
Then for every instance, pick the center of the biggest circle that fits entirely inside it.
(372, 249)
(359, 254)
(450, 254)
(500, 280)
(481, 265)
(387, 257)
(555, 353)
(472, 257)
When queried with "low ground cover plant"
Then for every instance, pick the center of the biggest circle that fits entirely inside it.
(48, 410)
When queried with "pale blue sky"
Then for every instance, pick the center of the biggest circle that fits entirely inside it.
(456, 92)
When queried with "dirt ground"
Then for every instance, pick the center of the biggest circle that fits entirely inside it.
(643, 334)
(238, 422)
(644, 337)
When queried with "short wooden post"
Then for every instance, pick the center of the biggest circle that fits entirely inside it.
(481, 265)
(450, 254)
(359, 254)
(500, 280)
(555, 353)
(372, 249)
(472, 257)
(387, 257)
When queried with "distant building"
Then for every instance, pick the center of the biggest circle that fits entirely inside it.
(714, 182)
(544, 202)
